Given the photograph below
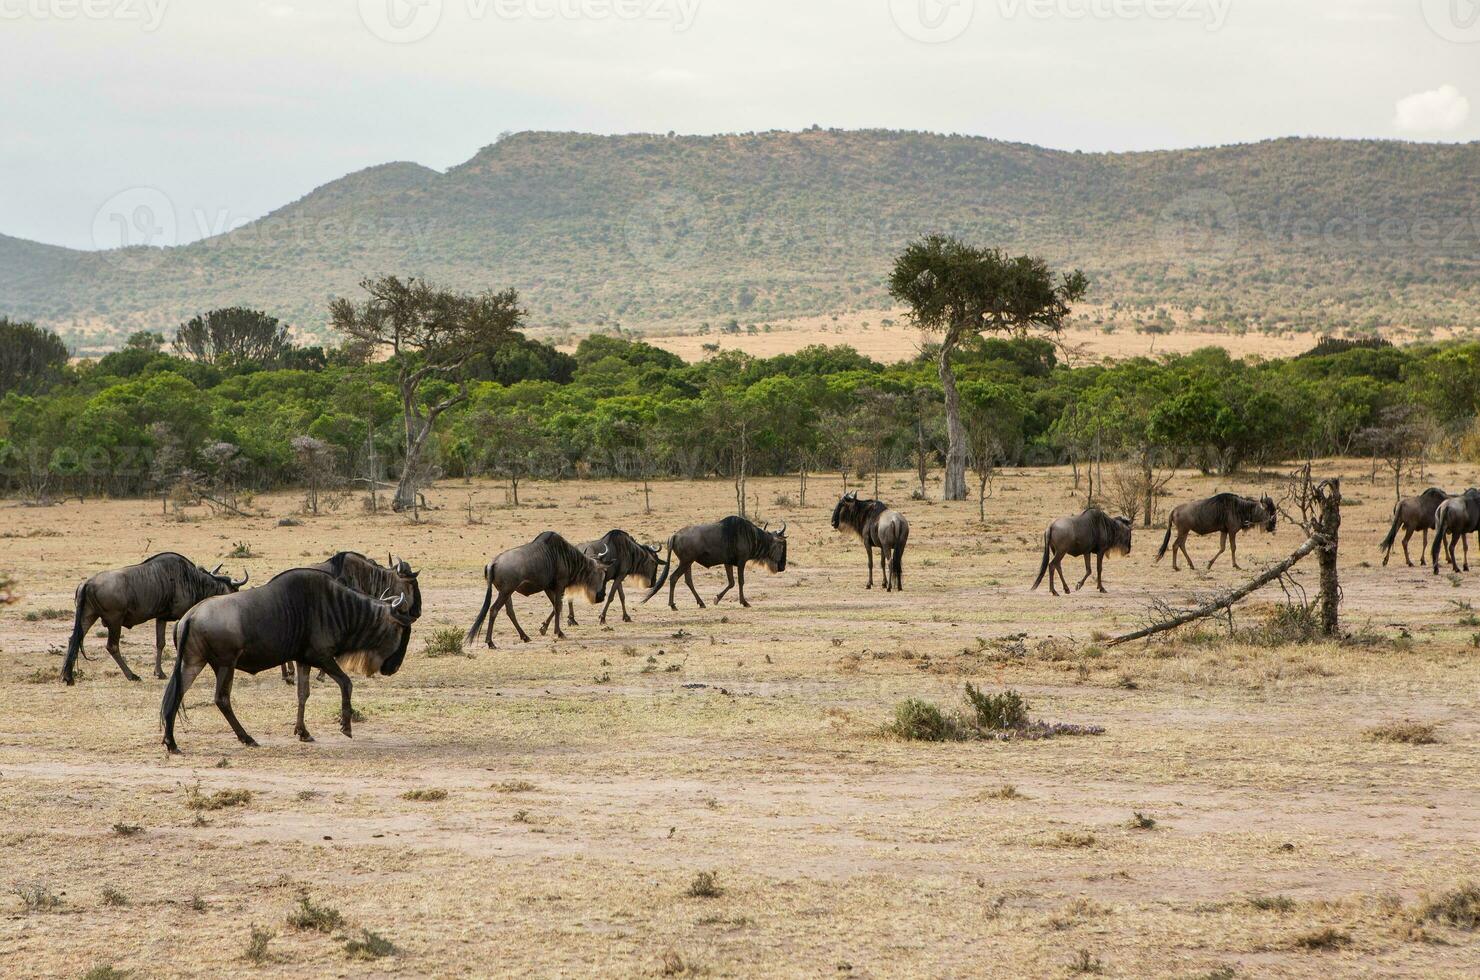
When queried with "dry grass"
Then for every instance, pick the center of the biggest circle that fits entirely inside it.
(221, 799)
(839, 852)
(1403, 733)
(425, 795)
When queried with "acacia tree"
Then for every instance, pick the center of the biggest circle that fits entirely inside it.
(1398, 439)
(233, 334)
(430, 334)
(959, 291)
(29, 356)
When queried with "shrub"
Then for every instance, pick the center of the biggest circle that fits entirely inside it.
(368, 946)
(127, 829)
(424, 795)
(219, 800)
(36, 896)
(112, 896)
(446, 641)
(256, 951)
(997, 712)
(105, 971)
(1459, 908)
(1403, 732)
(921, 721)
(1327, 938)
(318, 918)
(704, 885)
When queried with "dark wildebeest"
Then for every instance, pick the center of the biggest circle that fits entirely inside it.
(733, 542)
(368, 577)
(161, 588)
(548, 564)
(1453, 520)
(302, 615)
(627, 556)
(873, 523)
(1412, 515)
(1224, 513)
(1092, 533)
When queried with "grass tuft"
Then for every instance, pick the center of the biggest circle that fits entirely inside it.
(1402, 732)
(317, 918)
(1326, 938)
(1273, 903)
(105, 971)
(369, 945)
(1459, 908)
(921, 721)
(256, 951)
(1085, 962)
(997, 712)
(515, 786)
(424, 795)
(37, 896)
(446, 641)
(1139, 821)
(112, 896)
(220, 800)
(127, 829)
(704, 885)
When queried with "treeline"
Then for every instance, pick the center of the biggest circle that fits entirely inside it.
(211, 415)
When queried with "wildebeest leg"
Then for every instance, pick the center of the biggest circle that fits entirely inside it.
(1233, 548)
(1425, 543)
(1464, 540)
(622, 595)
(158, 649)
(570, 613)
(1222, 547)
(1100, 572)
(1088, 571)
(554, 598)
(301, 729)
(869, 551)
(1182, 543)
(611, 593)
(1406, 538)
(114, 633)
(224, 675)
(346, 708)
(509, 609)
(498, 604)
(884, 566)
(729, 583)
(175, 696)
(288, 672)
(740, 576)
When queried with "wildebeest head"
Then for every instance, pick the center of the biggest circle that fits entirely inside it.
(847, 504)
(398, 615)
(409, 586)
(599, 571)
(1120, 530)
(1270, 512)
(226, 582)
(773, 550)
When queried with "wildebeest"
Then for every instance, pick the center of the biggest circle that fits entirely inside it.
(1413, 514)
(1224, 513)
(627, 556)
(548, 564)
(1455, 518)
(873, 523)
(733, 542)
(368, 577)
(161, 588)
(302, 615)
(1092, 533)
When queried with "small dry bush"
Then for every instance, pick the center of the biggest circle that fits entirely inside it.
(1006, 791)
(921, 721)
(36, 896)
(317, 918)
(446, 641)
(1273, 903)
(127, 829)
(105, 971)
(997, 712)
(1084, 962)
(368, 945)
(219, 800)
(1139, 821)
(1000, 717)
(256, 951)
(1459, 908)
(1287, 624)
(515, 786)
(39, 615)
(704, 885)
(674, 965)
(424, 795)
(1326, 938)
(112, 896)
(1402, 732)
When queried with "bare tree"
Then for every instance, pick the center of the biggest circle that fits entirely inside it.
(317, 463)
(430, 334)
(1398, 441)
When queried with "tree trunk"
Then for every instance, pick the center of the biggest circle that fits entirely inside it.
(955, 481)
(1330, 525)
(417, 431)
(920, 452)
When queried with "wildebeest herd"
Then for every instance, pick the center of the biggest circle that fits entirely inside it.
(350, 614)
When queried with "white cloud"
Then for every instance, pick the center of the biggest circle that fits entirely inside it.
(1441, 110)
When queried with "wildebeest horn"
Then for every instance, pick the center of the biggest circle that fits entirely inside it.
(397, 601)
(217, 568)
(238, 584)
(782, 533)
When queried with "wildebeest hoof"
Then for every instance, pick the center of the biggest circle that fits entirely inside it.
(1104, 591)
(744, 603)
(347, 732)
(132, 677)
(250, 742)
(625, 618)
(68, 680)
(305, 737)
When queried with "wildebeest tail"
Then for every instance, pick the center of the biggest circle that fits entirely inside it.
(1043, 568)
(1165, 542)
(487, 601)
(1440, 519)
(1392, 535)
(172, 693)
(74, 645)
(663, 575)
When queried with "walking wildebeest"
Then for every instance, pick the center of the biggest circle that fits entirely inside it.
(1092, 533)
(1456, 518)
(733, 542)
(627, 556)
(873, 523)
(161, 588)
(302, 615)
(548, 564)
(368, 577)
(1225, 513)
(1413, 514)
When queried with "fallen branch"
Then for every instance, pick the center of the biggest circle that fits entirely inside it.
(1228, 598)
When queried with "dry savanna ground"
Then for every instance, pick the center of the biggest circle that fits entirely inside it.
(712, 792)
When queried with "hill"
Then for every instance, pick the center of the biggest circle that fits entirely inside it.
(1305, 234)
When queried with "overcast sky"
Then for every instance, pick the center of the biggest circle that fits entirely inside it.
(231, 108)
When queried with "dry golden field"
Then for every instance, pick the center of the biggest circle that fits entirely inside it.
(589, 783)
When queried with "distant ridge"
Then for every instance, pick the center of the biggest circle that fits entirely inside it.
(1323, 235)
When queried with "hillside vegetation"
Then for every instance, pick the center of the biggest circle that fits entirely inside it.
(1291, 234)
